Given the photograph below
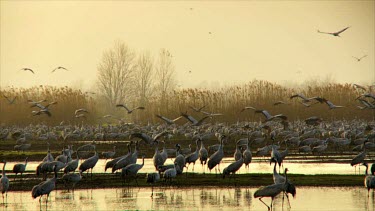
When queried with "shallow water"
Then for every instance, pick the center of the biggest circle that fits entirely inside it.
(257, 166)
(202, 198)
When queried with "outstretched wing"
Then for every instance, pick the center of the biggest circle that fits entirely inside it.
(165, 119)
(248, 107)
(342, 30)
(122, 105)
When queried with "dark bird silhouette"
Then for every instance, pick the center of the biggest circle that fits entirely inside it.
(279, 103)
(42, 111)
(4, 182)
(130, 110)
(194, 121)
(28, 69)
(367, 104)
(19, 168)
(59, 68)
(367, 95)
(168, 121)
(369, 180)
(360, 58)
(269, 117)
(332, 106)
(149, 140)
(10, 101)
(271, 191)
(197, 109)
(336, 34)
(308, 100)
(45, 188)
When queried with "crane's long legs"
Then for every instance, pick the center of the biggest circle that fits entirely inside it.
(260, 199)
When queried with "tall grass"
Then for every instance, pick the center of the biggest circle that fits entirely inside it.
(228, 101)
(68, 100)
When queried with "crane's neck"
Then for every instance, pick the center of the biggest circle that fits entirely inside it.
(3, 173)
(366, 170)
(286, 176)
(274, 169)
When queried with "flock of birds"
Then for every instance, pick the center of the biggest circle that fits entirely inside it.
(313, 135)
(310, 136)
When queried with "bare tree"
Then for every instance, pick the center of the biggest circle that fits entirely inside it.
(166, 80)
(144, 78)
(116, 71)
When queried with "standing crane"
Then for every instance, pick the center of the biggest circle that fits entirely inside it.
(203, 155)
(132, 170)
(89, 164)
(19, 168)
(4, 182)
(271, 190)
(216, 158)
(369, 180)
(233, 167)
(45, 188)
(179, 161)
(152, 178)
(191, 158)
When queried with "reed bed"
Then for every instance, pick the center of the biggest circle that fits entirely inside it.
(68, 100)
(227, 100)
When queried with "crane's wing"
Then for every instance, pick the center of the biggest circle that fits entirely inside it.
(324, 32)
(281, 116)
(248, 107)
(122, 105)
(190, 118)
(139, 107)
(265, 113)
(342, 30)
(165, 119)
(362, 57)
(300, 96)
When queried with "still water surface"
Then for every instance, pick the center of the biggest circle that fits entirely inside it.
(255, 167)
(202, 198)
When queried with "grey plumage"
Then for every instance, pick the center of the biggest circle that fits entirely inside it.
(179, 161)
(271, 191)
(109, 154)
(71, 178)
(19, 168)
(247, 156)
(233, 167)
(89, 163)
(44, 188)
(216, 158)
(4, 182)
(369, 180)
(72, 165)
(192, 157)
(132, 170)
(203, 154)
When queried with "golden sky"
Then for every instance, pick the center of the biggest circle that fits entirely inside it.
(221, 42)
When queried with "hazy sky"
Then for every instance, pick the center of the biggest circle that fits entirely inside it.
(272, 40)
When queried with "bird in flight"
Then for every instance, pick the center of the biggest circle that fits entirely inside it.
(247, 108)
(197, 109)
(10, 101)
(80, 110)
(359, 59)
(336, 34)
(59, 68)
(28, 69)
(130, 110)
